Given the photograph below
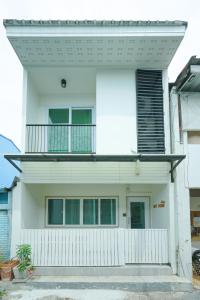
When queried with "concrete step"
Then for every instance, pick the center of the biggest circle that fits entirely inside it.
(128, 283)
(128, 270)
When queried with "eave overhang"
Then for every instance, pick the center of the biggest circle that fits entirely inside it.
(173, 159)
(147, 44)
(189, 79)
(88, 23)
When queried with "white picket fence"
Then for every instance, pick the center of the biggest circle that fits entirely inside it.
(96, 247)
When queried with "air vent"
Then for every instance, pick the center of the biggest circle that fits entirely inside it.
(150, 118)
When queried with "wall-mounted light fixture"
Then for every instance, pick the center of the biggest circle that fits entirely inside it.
(63, 83)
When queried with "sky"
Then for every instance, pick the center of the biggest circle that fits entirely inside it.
(11, 74)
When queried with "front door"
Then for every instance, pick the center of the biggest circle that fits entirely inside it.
(138, 212)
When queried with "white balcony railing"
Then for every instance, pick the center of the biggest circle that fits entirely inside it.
(96, 247)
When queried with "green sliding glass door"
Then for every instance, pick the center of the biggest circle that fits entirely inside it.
(81, 134)
(76, 137)
(58, 135)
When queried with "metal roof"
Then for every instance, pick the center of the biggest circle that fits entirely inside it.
(95, 157)
(15, 22)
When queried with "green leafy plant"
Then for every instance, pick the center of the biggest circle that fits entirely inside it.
(24, 256)
(2, 293)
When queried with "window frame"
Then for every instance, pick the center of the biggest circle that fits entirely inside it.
(81, 225)
(71, 107)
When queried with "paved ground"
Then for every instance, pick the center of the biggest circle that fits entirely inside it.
(28, 292)
(108, 279)
(36, 294)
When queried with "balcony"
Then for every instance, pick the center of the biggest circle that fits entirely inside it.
(43, 138)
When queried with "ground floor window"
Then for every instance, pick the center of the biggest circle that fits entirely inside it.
(82, 211)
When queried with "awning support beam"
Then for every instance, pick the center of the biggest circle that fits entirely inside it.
(173, 167)
(14, 164)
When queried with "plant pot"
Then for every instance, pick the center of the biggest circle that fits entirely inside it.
(6, 269)
(22, 275)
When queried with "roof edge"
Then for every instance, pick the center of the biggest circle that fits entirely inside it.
(6, 138)
(185, 73)
(16, 22)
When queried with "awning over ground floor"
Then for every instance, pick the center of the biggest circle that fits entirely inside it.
(173, 159)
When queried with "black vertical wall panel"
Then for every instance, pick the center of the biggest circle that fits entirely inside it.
(150, 116)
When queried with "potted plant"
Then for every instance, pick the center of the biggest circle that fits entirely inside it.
(6, 268)
(24, 269)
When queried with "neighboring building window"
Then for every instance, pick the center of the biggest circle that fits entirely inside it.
(82, 211)
(3, 198)
(193, 137)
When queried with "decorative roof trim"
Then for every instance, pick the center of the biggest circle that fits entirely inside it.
(15, 22)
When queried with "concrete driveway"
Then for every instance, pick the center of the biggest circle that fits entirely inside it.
(19, 292)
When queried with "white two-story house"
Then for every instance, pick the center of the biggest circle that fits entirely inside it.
(97, 174)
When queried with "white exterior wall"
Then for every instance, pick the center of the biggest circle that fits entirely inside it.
(116, 112)
(24, 110)
(65, 101)
(32, 209)
(32, 106)
(190, 106)
(34, 197)
(181, 196)
(114, 107)
(38, 105)
(95, 172)
(17, 195)
(63, 190)
(193, 166)
(160, 215)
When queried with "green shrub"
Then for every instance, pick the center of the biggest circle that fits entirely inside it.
(2, 293)
(24, 256)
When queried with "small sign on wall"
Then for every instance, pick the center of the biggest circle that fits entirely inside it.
(159, 205)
